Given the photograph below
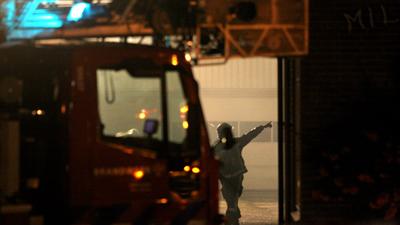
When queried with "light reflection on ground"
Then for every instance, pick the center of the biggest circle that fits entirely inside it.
(258, 207)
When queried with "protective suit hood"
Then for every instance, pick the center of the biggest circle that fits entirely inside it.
(222, 129)
(225, 135)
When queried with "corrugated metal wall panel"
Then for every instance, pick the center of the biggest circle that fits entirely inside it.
(248, 73)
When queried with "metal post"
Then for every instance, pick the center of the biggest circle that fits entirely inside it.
(281, 189)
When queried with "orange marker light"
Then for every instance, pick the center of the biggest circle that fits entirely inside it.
(185, 124)
(174, 60)
(63, 109)
(186, 168)
(138, 174)
(184, 109)
(162, 201)
(196, 170)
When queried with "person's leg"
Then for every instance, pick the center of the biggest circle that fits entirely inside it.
(230, 192)
(240, 183)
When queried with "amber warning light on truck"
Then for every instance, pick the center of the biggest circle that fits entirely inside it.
(138, 174)
(174, 60)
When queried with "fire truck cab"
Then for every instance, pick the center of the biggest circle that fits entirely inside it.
(102, 134)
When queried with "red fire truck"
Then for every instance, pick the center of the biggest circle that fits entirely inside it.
(102, 134)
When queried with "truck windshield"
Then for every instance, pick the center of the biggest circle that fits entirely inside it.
(126, 102)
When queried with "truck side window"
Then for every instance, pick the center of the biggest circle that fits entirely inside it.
(125, 102)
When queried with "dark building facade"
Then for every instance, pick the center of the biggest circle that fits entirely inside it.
(349, 117)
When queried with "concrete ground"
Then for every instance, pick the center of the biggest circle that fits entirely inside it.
(258, 207)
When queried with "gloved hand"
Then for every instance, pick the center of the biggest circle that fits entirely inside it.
(268, 125)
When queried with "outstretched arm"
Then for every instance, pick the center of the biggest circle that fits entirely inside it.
(246, 138)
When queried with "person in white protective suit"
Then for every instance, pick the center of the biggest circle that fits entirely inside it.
(228, 150)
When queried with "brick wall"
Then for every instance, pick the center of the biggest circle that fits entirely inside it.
(348, 84)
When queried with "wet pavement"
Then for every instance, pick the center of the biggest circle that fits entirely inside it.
(258, 207)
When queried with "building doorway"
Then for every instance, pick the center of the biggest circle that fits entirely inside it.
(244, 93)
